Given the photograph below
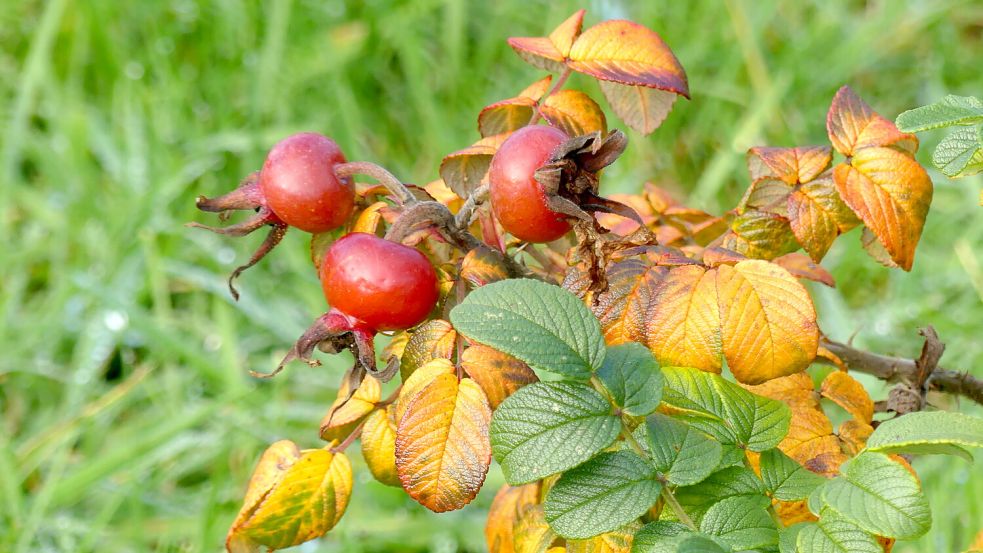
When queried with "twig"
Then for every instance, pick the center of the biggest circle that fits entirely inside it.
(471, 205)
(381, 174)
(900, 369)
(562, 80)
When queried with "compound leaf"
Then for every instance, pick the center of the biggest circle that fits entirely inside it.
(956, 151)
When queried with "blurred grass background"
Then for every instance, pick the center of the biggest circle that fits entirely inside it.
(128, 420)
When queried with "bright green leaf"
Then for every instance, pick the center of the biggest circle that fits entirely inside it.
(926, 432)
(544, 325)
(700, 544)
(786, 479)
(725, 410)
(742, 522)
(632, 377)
(661, 536)
(729, 482)
(601, 495)
(880, 496)
(955, 152)
(680, 452)
(951, 110)
(787, 537)
(549, 427)
(834, 534)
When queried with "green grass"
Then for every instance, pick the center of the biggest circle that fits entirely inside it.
(128, 420)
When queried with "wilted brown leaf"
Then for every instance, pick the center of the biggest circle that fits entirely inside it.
(498, 374)
(442, 447)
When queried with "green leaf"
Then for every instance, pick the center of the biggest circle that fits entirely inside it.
(601, 495)
(632, 377)
(683, 454)
(661, 536)
(928, 432)
(725, 410)
(787, 537)
(700, 544)
(549, 427)
(955, 152)
(729, 482)
(742, 522)
(815, 501)
(951, 110)
(880, 496)
(834, 534)
(786, 479)
(544, 325)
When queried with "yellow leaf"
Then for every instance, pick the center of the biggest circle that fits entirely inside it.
(622, 309)
(433, 339)
(503, 513)
(370, 218)
(574, 112)
(852, 125)
(442, 445)
(818, 215)
(853, 436)
(498, 374)
(618, 541)
(760, 235)
(842, 389)
(768, 322)
(683, 323)
(642, 108)
(549, 52)
(417, 381)
(891, 193)
(345, 413)
(628, 53)
(792, 512)
(308, 498)
(767, 194)
(379, 446)
(480, 267)
(272, 464)
(790, 165)
(531, 533)
(506, 116)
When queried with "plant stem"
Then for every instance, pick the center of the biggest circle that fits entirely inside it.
(477, 197)
(677, 509)
(379, 173)
(556, 86)
(349, 439)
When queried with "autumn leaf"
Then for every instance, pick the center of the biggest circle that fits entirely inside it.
(682, 322)
(480, 267)
(434, 339)
(498, 374)
(760, 235)
(574, 113)
(891, 193)
(531, 533)
(379, 446)
(800, 265)
(852, 125)
(370, 218)
(618, 541)
(622, 308)
(464, 170)
(505, 509)
(843, 390)
(294, 496)
(817, 215)
(420, 379)
(853, 436)
(345, 413)
(442, 446)
(790, 165)
(640, 107)
(550, 52)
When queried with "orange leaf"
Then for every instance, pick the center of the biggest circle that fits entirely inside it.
(891, 193)
(623, 226)
(479, 267)
(640, 107)
(842, 389)
(682, 327)
(792, 512)
(768, 322)
(498, 374)
(442, 447)
(549, 52)
(791, 165)
(379, 446)
(759, 235)
(853, 435)
(433, 339)
(503, 513)
(618, 541)
(801, 266)
(574, 113)
(309, 494)
(628, 53)
(622, 308)
(818, 215)
(506, 116)
(536, 90)
(852, 125)
(370, 218)
(420, 379)
(531, 533)
(345, 413)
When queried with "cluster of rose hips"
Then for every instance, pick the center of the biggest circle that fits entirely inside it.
(539, 181)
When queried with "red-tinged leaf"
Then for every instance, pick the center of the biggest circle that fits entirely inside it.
(509, 502)
(817, 215)
(346, 412)
(498, 374)
(624, 226)
(628, 53)
(891, 193)
(800, 265)
(641, 108)
(760, 235)
(768, 322)
(790, 165)
(852, 125)
(574, 113)
(622, 309)
(768, 194)
(550, 52)
(536, 90)
(379, 446)
(433, 339)
(442, 446)
(480, 267)
(506, 116)
(308, 495)
(682, 322)
(843, 390)
(713, 257)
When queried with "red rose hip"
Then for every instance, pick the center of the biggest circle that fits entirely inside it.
(518, 200)
(387, 286)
